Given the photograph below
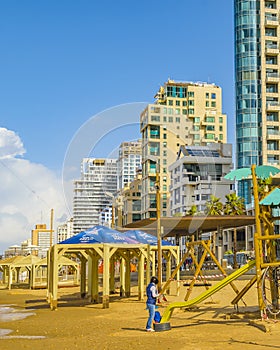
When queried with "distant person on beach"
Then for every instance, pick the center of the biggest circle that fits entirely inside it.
(152, 295)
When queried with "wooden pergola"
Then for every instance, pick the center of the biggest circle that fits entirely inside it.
(90, 254)
(35, 270)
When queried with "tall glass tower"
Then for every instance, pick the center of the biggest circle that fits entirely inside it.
(257, 69)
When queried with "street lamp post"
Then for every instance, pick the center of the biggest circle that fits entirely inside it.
(157, 185)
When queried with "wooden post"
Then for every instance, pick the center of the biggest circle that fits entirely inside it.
(127, 275)
(112, 275)
(106, 273)
(122, 276)
(54, 281)
(83, 289)
(141, 276)
(94, 279)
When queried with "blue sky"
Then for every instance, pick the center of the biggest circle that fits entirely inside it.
(63, 62)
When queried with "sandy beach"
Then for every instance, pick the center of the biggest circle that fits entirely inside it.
(77, 324)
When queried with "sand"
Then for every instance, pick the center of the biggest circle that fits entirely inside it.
(77, 324)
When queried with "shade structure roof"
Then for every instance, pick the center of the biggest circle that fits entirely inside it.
(99, 234)
(145, 238)
(188, 225)
(262, 171)
(273, 198)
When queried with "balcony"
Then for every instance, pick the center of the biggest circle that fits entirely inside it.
(272, 49)
(273, 106)
(273, 135)
(272, 77)
(271, 20)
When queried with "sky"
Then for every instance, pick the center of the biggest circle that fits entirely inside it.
(75, 76)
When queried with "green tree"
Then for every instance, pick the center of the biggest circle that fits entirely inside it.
(192, 210)
(214, 206)
(234, 205)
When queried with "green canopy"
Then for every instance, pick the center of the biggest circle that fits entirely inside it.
(273, 198)
(262, 171)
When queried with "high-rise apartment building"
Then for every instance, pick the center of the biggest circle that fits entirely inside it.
(184, 113)
(129, 161)
(93, 192)
(257, 76)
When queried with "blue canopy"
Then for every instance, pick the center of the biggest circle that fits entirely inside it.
(145, 238)
(99, 234)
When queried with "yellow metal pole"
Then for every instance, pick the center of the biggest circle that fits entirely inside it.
(257, 241)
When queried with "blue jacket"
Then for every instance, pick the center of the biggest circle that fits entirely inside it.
(150, 298)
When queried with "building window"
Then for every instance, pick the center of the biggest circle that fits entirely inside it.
(213, 104)
(155, 118)
(196, 120)
(170, 102)
(178, 103)
(184, 111)
(209, 136)
(184, 103)
(207, 103)
(191, 111)
(221, 120)
(191, 102)
(220, 128)
(221, 137)
(207, 95)
(170, 119)
(177, 119)
(213, 96)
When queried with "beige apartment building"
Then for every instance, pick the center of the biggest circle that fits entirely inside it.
(184, 113)
(128, 202)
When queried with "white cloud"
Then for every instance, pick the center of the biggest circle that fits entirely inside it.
(10, 144)
(28, 192)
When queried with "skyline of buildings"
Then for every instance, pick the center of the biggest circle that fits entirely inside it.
(191, 113)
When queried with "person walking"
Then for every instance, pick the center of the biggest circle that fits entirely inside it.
(152, 295)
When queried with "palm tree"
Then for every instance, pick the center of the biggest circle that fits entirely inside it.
(214, 206)
(192, 210)
(234, 205)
